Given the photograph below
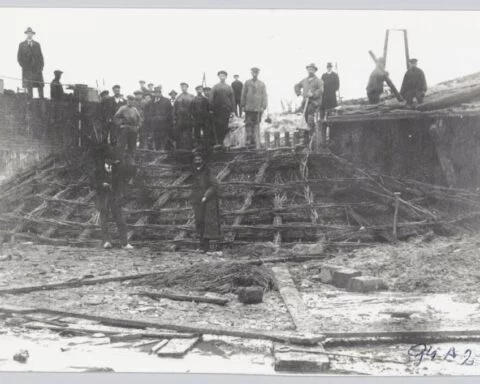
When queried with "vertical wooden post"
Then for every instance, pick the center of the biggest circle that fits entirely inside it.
(276, 140)
(287, 139)
(395, 216)
(267, 139)
(385, 46)
(407, 53)
(79, 123)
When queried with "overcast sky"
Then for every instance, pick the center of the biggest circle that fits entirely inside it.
(169, 46)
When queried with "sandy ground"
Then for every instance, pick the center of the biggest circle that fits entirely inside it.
(434, 278)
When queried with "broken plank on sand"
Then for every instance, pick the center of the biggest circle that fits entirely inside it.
(290, 358)
(178, 347)
(190, 298)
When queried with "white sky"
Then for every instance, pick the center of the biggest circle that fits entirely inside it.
(169, 46)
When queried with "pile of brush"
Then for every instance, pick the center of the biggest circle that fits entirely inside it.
(220, 277)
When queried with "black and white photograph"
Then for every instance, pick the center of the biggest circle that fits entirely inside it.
(240, 191)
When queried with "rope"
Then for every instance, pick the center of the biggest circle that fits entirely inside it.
(32, 81)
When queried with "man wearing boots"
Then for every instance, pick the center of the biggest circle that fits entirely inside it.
(222, 105)
(205, 202)
(30, 58)
(199, 109)
(109, 179)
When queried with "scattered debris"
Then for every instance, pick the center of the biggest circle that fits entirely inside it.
(190, 298)
(300, 360)
(177, 347)
(21, 356)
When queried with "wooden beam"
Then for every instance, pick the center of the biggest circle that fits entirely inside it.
(248, 199)
(388, 80)
(180, 297)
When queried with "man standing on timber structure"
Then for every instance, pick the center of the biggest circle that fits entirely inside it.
(159, 121)
(205, 202)
(414, 84)
(222, 105)
(199, 110)
(375, 82)
(173, 95)
(237, 87)
(143, 87)
(311, 88)
(183, 118)
(139, 104)
(109, 180)
(113, 104)
(331, 84)
(56, 88)
(128, 120)
(254, 101)
(30, 58)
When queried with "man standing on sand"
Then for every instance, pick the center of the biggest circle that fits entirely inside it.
(183, 118)
(205, 202)
(414, 84)
(254, 101)
(311, 88)
(30, 58)
(331, 84)
(237, 87)
(109, 179)
(222, 105)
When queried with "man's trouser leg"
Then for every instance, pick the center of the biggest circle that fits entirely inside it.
(420, 95)
(102, 206)
(40, 92)
(221, 125)
(116, 208)
(374, 96)
(250, 120)
(131, 140)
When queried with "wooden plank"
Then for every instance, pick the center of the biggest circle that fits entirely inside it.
(190, 298)
(178, 348)
(388, 80)
(292, 299)
(155, 348)
(248, 199)
(301, 360)
(287, 337)
(75, 283)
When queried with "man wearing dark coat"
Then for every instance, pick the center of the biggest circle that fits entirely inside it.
(56, 87)
(183, 118)
(331, 84)
(222, 105)
(205, 203)
(30, 58)
(159, 121)
(109, 179)
(237, 87)
(112, 105)
(311, 88)
(414, 84)
(199, 110)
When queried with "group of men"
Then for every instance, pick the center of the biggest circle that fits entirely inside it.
(414, 84)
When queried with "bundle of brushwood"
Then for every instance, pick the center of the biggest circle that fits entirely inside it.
(220, 277)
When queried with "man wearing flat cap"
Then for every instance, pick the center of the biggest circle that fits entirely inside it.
(331, 84)
(112, 105)
(311, 88)
(222, 105)
(414, 84)
(30, 58)
(159, 121)
(127, 120)
(56, 88)
(237, 87)
(199, 110)
(173, 95)
(183, 118)
(254, 101)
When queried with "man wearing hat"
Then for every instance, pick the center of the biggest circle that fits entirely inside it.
(222, 105)
(375, 82)
(56, 88)
(254, 101)
(151, 87)
(183, 118)
(199, 109)
(139, 104)
(311, 88)
(127, 120)
(112, 105)
(143, 88)
(159, 121)
(108, 180)
(237, 87)
(414, 84)
(331, 84)
(30, 58)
